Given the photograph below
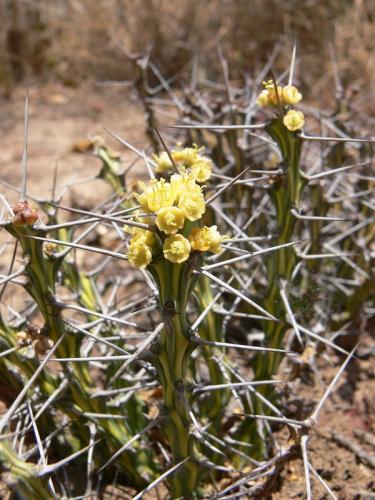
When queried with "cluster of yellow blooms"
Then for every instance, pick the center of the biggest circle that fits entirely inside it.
(187, 159)
(170, 204)
(273, 94)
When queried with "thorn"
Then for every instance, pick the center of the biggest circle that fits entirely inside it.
(226, 186)
(129, 443)
(302, 135)
(304, 440)
(136, 354)
(25, 144)
(128, 145)
(292, 64)
(329, 389)
(250, 255)
(199, 341)
(78, 246)
(8, 415)
(261, 126)
(167, 150)
(50, 469)
(238, 294)
(161, 478)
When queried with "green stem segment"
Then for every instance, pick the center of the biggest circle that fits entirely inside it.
(285, 194)
(41, 271)
(172, 354)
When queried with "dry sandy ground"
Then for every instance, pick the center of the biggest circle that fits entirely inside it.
(60, 117)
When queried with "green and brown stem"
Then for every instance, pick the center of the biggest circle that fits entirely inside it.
(41, 271)
(172, 352)
(285, 194)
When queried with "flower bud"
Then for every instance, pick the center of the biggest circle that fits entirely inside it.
(25, 214)
(49, 248)
(42, 344)
(22, 338)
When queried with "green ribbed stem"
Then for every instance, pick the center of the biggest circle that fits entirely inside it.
(41, 271)
(214, 405)
(285, 195)
(172, 358)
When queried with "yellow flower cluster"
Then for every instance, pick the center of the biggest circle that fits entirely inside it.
(285, 95)
(182, 192)
(189, 159)
(273, 94)
(170, 204)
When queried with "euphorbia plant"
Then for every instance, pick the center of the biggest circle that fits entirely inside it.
(170, 251)
(285, 192)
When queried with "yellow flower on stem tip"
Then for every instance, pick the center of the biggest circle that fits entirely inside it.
(273, 98)
(163, 162)
(206, 239)
(156, 196)
(142, 198)
(201, 170)
(140, 235)
(294, 120)
(263, 99)
(183, 183)
(139, 254)
(186, 156)
(291, 95)
(170, 220)
(192, 205)
(176, 248)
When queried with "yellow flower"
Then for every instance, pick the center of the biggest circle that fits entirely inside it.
(183, 183)
(186, 156)
(291, 95)
(170, 220)
(216, 240)
(140, 235)
(192, 205)
(139, 254)
(263, 99)
(294, 120)
(142, 198)
(201, 170)
(272, 94)
(272, 160)
(268, 96)
(176, 248)
(156, 196)
(49, 248)
(206, 239)
(163, 162)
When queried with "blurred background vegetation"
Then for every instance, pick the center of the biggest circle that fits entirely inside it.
(72, 41)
